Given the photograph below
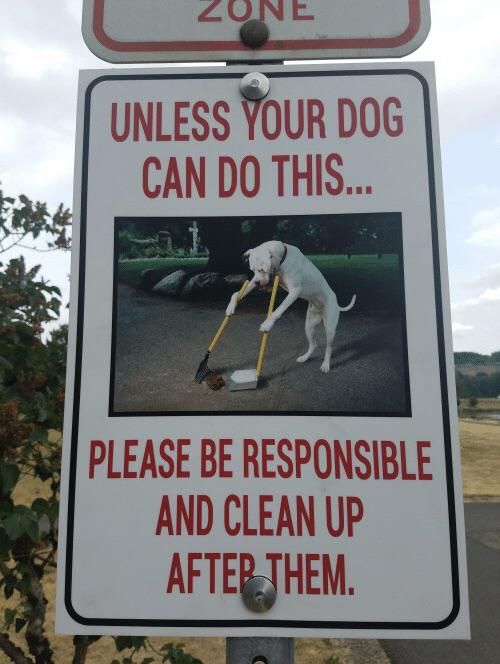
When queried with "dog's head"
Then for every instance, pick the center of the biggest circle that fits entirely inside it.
(263, 261)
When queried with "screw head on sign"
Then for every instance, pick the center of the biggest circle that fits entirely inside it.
(254, 33)
(254, 86)
(259, 594)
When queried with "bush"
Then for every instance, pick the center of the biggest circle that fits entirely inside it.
(32, 376)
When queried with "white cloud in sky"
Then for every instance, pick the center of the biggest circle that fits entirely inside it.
(486, 237)
(25, 61)
(464, 42)
(459, 329)
(476, 322)
(487, 217)
(487, 225)
(490, 278)
(11, 129)
(490, 295)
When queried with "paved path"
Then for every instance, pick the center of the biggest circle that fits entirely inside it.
(482, 523)
(161, 341)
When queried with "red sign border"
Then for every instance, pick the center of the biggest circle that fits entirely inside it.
(276, 45)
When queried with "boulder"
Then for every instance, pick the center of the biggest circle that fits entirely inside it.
(152, 276)
(203, 285)
(235, 281)
(171, 285)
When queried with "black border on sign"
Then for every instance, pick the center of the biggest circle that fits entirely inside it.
(313, 624)
(407, 412)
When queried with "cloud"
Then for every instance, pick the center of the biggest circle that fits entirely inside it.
(488, 296)
(490, 278)
(487, 237)
(487, 222)
(23, 61)
(476, 322)
(487, 217)
(459, 328)
(464, 43)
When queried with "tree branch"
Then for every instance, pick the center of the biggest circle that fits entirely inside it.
(38, 643)
(82, 644)
(15, 654)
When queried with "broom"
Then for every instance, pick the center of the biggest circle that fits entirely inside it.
(215, 381)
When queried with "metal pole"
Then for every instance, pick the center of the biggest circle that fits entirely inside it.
(250, 650)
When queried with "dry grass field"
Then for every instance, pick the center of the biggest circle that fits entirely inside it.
(480, 444)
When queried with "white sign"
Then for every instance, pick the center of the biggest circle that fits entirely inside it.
(176, 30)
(341, 486)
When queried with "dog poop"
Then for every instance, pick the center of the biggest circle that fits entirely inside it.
(214, 381)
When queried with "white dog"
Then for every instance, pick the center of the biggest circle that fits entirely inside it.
(301, 279)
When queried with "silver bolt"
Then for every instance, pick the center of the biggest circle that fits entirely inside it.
(254, 86)
(259, 594)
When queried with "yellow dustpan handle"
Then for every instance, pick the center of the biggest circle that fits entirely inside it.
(263, 344)
(222, 327)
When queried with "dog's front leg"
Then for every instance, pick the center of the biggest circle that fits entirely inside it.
(287, 302)
(235, 298)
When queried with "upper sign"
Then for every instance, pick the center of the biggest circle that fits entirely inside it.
(198, 30)
(337, 475)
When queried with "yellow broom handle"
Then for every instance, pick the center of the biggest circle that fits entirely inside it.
(263, 344)
(222, 327)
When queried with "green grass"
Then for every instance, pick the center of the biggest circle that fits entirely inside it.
(375, 281)
(366, 263)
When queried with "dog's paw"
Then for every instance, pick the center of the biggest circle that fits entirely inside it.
(231, 307)
(266, 325)
(325, 367)
(303, 358)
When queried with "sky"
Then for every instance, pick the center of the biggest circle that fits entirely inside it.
(41, 51)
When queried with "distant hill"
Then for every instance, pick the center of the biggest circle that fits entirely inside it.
(477, 375)
(469, 357)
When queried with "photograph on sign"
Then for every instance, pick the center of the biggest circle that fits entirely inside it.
(354, 263)
(260, 379)
(252, 30)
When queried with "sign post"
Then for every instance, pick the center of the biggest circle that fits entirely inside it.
(337, 479)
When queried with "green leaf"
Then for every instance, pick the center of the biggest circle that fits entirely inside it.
(5, 542)
(9, 474)
(40, 506)
(5, 364)
(10, 584)
(21, 522)
(9, 616)
(20, 623)
(122, 642)
(6, 508)
(138, 642)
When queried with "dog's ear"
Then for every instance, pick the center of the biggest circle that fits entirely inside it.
(246, 256)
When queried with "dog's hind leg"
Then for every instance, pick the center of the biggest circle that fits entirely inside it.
(313, 317)
(330, 321)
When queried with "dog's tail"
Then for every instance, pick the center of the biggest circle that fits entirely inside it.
(350, 305)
